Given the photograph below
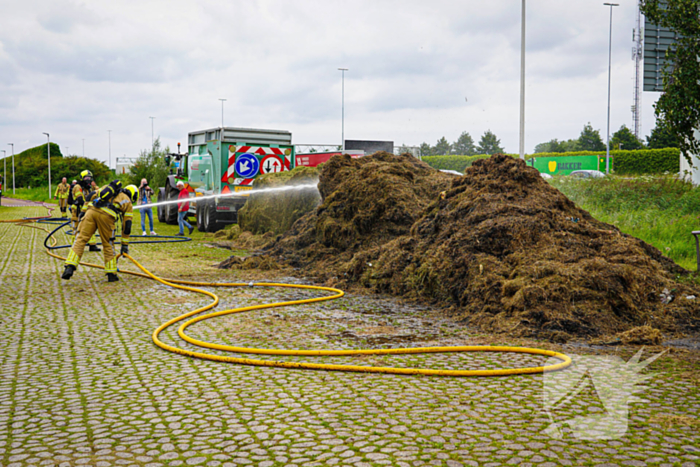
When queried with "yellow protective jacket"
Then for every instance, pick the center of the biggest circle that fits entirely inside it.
(119, 206)
(62, 190)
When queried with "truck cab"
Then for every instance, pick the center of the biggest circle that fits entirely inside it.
(222, 161)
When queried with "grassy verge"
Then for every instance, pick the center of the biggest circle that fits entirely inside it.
(32, 194)
(659, 210)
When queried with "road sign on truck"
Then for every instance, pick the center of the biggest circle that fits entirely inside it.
(221, 161)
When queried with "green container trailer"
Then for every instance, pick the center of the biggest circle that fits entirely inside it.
(564, 165)
(221, 161)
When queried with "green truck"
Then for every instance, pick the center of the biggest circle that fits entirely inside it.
(564, 165)
(221, 161)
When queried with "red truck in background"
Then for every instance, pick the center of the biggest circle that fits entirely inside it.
(312, 159)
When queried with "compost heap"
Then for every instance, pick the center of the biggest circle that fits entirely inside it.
(499, 247)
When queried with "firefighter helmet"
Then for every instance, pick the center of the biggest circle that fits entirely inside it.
(86, 175)
(132, 192)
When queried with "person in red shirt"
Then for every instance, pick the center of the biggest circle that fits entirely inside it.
(182, 209)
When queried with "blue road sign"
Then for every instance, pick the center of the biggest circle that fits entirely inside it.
(247, 165)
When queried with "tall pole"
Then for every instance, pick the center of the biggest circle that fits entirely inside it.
(222, 112)
(13, 167)
(109, 135)
(83, 147)
(607, 145)
(153, 141)
(48, 149)
(342, 109)
(522, 83)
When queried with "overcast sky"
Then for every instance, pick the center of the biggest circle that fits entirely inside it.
(418, 70)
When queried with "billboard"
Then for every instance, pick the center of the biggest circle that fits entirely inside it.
(564, 165)
(657, 41)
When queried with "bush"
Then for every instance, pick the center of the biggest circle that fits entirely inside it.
(458, 163)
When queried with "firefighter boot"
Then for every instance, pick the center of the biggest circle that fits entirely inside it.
(112, 277)
(94, 248)
(68, 272)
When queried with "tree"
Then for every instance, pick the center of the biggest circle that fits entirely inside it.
(442, 147)
(661, 137)
(625, 139)
(464, 146)
(426, 150)
(590, 139)
(151, 166)
(678, 106)
(489, 144)
(551, 146)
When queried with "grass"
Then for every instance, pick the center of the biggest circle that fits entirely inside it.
(657, 209)
(40, 193)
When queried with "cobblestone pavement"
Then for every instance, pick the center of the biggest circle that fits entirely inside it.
(82, 384)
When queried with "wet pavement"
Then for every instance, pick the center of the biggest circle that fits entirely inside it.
(81, 382)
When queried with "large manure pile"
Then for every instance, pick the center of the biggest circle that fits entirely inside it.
(500, 247)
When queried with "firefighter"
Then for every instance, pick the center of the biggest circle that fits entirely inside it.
(62, 195)
(79, 206)
(109, 204)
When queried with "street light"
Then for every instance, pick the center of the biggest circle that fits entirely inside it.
(83, 147)
(522, 83)
(13, 167)
(4, 174)
(153, 141)
(109, 135)
(222, 112)
(48, 149)
(607, 145)
(342, 112)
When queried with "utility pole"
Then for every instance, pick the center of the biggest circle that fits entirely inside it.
(48, 149)
(222, 112)
(83, 147)
(13, 167)
(522, 83)
(4, 173)
(109, 135)
(607, 146)
(637, 56)
(342, 111)
(153, 141)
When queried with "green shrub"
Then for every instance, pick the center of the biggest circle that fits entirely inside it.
(458, 163)
(640, 161)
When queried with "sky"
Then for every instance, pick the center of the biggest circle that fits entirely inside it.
(417, 71)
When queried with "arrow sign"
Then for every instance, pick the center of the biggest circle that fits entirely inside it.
(247, 165)
(271, 163)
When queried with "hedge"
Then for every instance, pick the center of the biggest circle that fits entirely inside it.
(641, 161)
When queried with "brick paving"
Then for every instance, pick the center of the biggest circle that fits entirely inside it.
(81, 383)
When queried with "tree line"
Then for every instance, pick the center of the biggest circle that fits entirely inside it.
(590, 140)
(464, 146)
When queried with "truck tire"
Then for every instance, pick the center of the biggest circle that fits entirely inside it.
(209, 218)
(200, 219)
(171, 209)
(161, 209)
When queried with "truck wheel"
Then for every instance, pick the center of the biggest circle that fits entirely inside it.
(171, 209)
(200, 219)
(161, 209)
(210, 223)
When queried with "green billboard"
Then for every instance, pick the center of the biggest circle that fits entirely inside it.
(564, 165)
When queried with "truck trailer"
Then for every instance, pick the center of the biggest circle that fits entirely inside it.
(222, 161)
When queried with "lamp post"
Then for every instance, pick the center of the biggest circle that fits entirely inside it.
(522, 83)
(109, 135)
(222, 112)
(83, 147)
(153, 141)
(607, 145)
(48, 149)
(342, 111)
(13, 167)
(4, 173)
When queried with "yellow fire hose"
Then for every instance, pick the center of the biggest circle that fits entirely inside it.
(186, 285)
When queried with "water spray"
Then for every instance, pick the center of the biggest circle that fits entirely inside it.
(228, 195)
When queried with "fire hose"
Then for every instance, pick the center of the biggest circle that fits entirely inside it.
(190, 318)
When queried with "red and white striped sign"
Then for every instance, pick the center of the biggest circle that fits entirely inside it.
(230, 175)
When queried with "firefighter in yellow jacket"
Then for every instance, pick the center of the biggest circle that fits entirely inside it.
(79, 202)
(110, 203)
(62, 195)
